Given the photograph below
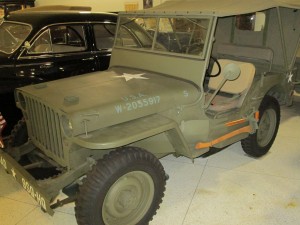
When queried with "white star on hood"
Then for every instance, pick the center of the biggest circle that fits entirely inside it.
(129, 76)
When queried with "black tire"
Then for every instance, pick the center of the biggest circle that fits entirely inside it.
(259, 143)
(19, 134)
(125, 187)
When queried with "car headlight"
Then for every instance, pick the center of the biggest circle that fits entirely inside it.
(21, 100)
(67, 126)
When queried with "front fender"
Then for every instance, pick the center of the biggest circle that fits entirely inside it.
(127, 133)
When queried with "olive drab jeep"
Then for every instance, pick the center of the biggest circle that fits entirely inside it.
(184, 77)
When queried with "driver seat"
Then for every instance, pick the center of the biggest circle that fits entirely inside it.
(232, 93)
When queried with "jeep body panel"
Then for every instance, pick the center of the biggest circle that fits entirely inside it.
(121, 95)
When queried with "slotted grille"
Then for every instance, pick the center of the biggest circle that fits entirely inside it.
(45, 127)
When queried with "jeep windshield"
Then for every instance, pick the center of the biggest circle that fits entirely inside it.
(181, 35)
(12, 35)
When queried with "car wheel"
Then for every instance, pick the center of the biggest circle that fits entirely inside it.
(259, 143)
(19, 134)
(125, 187)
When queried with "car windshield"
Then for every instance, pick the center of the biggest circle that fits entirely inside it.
(12, 35)
(183, 35)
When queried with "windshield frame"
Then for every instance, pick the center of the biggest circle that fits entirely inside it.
(132, 17)
(20, 41)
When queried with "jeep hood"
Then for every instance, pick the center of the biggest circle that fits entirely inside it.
(102, 99)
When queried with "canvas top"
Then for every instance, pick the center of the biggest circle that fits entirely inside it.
(219, 8)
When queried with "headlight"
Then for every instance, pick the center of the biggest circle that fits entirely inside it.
(67, 126)
(21, 100)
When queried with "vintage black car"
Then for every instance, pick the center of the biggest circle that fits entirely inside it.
(37, 46)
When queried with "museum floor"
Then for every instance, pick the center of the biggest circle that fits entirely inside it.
(227, 188)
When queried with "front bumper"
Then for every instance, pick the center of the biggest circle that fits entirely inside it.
(26, 181)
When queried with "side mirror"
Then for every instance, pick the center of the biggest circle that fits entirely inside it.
(231, 72)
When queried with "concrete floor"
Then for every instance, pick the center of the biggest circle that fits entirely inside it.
(228, 188)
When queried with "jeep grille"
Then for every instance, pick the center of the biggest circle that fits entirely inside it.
(44, 128)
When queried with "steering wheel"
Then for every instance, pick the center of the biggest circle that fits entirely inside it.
(211, 63)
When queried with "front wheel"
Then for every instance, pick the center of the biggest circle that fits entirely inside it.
(259, 143)
(125, 187)
(19, 134)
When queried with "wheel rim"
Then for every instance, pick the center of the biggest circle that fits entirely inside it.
(128, 199)
(266, 127)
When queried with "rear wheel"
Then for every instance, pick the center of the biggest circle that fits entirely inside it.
(259, 143)
(125, 187)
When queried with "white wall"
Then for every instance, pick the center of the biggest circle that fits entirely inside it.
(97, 5)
